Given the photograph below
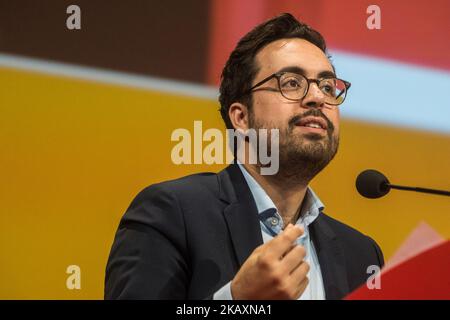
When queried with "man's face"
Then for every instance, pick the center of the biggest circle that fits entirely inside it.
(301, 147)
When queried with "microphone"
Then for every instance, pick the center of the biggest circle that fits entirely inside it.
(373, 184)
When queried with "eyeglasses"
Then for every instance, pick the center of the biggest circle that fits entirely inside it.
(294, 86)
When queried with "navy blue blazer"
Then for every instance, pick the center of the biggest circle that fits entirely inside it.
(186, 238)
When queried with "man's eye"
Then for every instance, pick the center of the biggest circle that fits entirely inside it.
(291, 84)
(328, 89)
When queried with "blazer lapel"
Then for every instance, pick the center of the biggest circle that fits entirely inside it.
(241, 214)
(331, 259)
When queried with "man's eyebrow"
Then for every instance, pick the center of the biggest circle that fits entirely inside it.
(298, 70)
(326, 74)
(293, 69)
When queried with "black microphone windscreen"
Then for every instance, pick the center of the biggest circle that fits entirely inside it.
(372, 184)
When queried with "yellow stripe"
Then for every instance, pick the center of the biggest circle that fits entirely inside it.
(75, 153)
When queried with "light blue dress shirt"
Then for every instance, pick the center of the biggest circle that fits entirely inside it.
(272, 224)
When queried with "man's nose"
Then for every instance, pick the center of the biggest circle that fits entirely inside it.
(314, 97)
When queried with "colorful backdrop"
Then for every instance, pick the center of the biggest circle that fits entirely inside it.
(86, 118)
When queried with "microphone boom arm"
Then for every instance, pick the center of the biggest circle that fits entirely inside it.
(418, 189)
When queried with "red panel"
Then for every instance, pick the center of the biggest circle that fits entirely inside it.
(230, 20)
(424, 276)
(415, 33)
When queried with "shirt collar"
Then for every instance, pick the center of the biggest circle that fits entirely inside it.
(310, 210)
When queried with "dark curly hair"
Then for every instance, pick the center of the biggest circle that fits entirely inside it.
(240, 69)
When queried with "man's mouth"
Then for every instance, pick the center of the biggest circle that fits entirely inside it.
(313, 124)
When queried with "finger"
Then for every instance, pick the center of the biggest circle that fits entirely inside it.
(293, 245)
(302, 287)
(283, 242)
(293, 259)
(300, 273)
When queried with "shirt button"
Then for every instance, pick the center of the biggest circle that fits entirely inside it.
(274, 221)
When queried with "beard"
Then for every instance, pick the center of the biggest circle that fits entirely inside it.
(301, 156)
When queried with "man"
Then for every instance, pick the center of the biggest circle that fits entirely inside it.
(239, 234)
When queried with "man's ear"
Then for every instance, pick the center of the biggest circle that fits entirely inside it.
(238, 114)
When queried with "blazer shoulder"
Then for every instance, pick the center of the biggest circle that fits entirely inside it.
(342, 228)
(351, 235)
(192, 186)
(162, 206)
